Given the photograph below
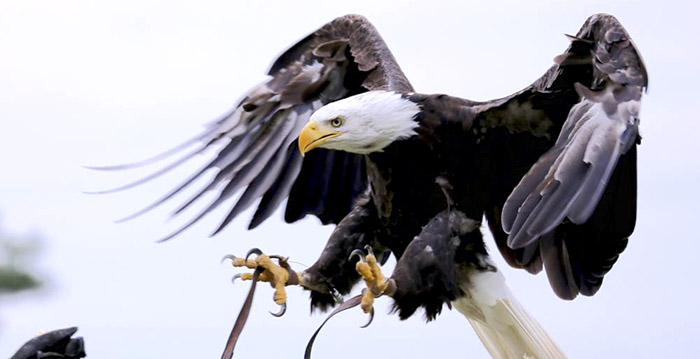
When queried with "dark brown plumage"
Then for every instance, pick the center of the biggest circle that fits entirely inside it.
(552, 167)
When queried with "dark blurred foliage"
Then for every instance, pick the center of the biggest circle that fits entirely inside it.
(16, 255)
(13, 280)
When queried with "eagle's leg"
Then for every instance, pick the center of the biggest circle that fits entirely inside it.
(278, 274)
(377, 284)
(333, 275)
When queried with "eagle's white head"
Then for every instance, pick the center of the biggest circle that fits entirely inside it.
(362, 124)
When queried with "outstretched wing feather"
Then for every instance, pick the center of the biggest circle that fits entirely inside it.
(344, 57)
(601, 78)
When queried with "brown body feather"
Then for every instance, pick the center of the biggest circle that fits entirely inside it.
(530, 162)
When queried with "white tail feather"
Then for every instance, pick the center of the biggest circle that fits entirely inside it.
(502, 324)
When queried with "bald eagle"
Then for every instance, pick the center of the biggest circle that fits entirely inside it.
(339, 132)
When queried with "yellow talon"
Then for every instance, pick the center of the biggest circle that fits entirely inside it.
(371, 272)
(242, 262)
(365, 271)
(280, 296)
(278, 275)
(376, 282)
(367, 301)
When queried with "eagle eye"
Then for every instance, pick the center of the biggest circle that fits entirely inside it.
(337, 122)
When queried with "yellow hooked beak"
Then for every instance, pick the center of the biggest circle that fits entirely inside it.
(311, 137)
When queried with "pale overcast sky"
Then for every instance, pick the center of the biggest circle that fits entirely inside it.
(103, 82)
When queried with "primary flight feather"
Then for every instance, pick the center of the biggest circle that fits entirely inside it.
(339, 132)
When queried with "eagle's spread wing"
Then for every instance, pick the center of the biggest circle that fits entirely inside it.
(257, 139)
(575, 207)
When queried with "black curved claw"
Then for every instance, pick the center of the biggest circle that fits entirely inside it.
(235, 276)
(283, 309)
(357, 253)
(369, 250)
(255, 251)
(371, 317)
(228, 256)
(279, 257)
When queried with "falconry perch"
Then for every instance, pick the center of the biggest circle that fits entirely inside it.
(339, 132)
